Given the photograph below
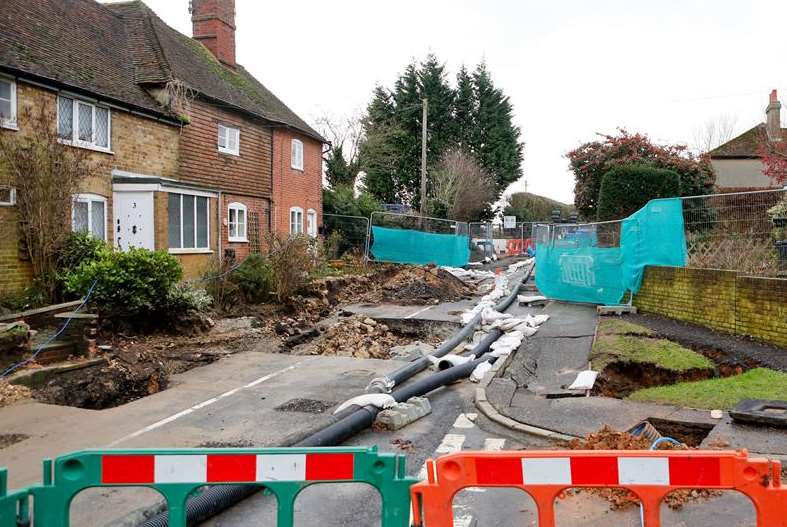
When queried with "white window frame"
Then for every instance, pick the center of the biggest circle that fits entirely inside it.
(226, 131)
(11, 196)
(10, 122)
(89, 199)
(237, 207)
(311, 223)
(297, 211)
(75, 141)
(296, 154)
(195, 249)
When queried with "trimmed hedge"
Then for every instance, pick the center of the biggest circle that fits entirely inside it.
(626, 189)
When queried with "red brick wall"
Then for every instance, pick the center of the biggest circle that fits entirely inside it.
(295, 188)
(213, 24)
(201, 162)
(261, 206)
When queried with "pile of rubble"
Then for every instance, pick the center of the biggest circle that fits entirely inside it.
(609, 439)
(10, 393)
(358, 337)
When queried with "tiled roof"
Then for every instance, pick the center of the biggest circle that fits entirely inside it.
(746, 145)
(114, 50)
(163, 53)
(79, 44)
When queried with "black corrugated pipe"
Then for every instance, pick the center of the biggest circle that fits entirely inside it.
(219, 498)
(387, 383)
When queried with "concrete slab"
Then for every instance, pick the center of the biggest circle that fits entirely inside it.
(756, 439)
(447, 312)
(760, 412)
(549, 366)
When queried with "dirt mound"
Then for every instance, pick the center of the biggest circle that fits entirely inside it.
(609, 439)
(358, 337)
(403, 285)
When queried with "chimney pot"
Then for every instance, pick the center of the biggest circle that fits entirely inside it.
(213, 24)
(773, 121)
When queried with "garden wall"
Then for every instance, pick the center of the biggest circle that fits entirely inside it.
(722, 300)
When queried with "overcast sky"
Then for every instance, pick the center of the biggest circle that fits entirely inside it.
(571, 67)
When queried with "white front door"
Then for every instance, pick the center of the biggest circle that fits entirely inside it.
(133, 220)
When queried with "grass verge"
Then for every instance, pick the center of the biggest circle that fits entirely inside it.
(617, 326)
(759, 383)
(661, 353)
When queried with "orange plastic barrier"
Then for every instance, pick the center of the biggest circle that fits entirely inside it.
(514, 247)
(650, 475)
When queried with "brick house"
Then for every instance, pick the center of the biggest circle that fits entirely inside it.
(737, 162)
(196, 144)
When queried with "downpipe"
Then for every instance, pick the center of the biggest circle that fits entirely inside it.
(355, 419)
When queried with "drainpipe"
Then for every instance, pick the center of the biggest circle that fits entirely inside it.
(219, 218)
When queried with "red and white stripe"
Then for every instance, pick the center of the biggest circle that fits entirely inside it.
(600, 470)
(225, 468)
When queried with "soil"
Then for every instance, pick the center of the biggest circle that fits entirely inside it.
(620, 379)
(608, 439)
(745, 351)
(402, 285)
(7, 440)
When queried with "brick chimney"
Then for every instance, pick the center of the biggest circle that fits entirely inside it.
(213, 24)
(773, 122)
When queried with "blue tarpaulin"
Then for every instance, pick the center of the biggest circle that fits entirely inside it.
(419, 248)
(577, 268)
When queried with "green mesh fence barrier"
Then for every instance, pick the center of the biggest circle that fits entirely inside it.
(419, 248)
(599, 263)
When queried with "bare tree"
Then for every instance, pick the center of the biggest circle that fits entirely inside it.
(461, 188)
(46, 174)
(715, 132)
(345, 134)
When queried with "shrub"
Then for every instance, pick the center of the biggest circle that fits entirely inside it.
(185, 298)
(218, 283)
(292, 259)
(127, 284)
(78, 248)
(254, 279)
(626, 189)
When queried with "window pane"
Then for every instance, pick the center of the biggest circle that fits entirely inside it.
(102, 127)
(5, 109)
(233, 139)
(97, 220)
(222, 137)
(188, 222)
(65, 115)
(202, 223)
(5, 90)
(85, 122)
(174, 221)
(80, 216)
(242, 223)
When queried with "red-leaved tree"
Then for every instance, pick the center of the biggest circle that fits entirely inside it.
(590, 161)
(774, 160)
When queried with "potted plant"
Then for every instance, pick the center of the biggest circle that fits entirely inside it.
(778, 214)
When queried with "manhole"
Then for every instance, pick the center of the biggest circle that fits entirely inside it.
(761, 412)
(307, 406)
(7, 440)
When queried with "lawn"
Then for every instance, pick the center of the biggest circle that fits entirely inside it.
(618, 326)
(661, 353)
(759, 383)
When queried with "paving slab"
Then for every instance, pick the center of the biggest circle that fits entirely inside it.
(568, 320)
(547, 366)
(756, 439)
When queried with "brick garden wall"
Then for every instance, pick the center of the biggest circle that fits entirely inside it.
(722, 300)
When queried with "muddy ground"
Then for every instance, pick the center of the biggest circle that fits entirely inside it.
(140, 365)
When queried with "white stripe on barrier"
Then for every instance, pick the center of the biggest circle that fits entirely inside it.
(643, 471)
(546, 471)
(180, 469)
(281, 467)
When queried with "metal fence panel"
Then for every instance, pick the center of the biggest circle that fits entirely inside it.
(345, 235)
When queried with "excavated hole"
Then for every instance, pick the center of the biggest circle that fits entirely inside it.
(620, 379)
(691, 434)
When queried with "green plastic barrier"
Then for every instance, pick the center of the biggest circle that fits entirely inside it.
(180, 473)
(419, 248)
(575, 268)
